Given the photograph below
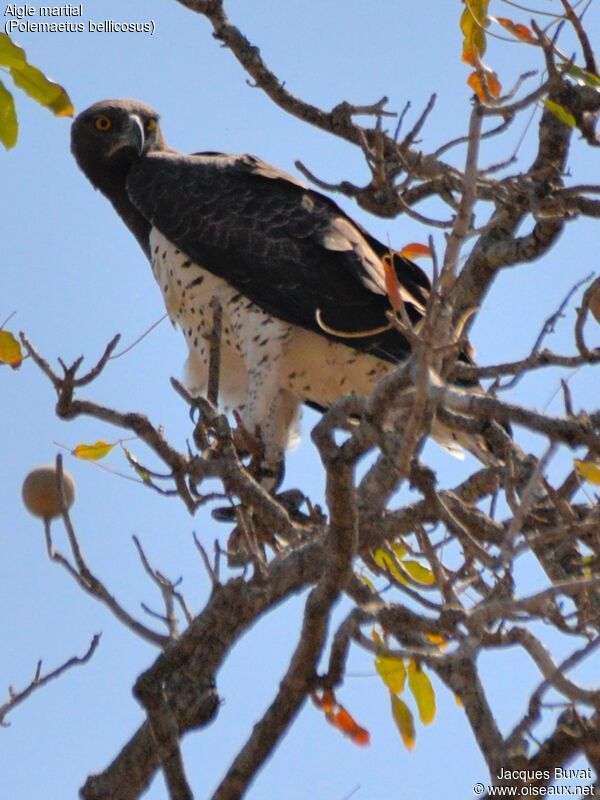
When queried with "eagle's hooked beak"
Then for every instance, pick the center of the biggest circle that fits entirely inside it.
(133, 137)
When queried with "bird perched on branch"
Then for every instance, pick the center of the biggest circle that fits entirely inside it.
(302, 286)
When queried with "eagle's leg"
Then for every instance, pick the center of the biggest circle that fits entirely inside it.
(273, 417)
(271, 414)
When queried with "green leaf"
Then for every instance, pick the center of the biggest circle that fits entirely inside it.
(562, 113)
(11, 55)
(9, 127)
(581, 76)
(43, 90)
(404, 721)
(141, 471)
(422, 690)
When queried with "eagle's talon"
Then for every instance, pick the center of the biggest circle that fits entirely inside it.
(224, 514)
(270, 476)
(292, 500)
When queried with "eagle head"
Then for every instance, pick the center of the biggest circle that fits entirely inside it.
(109, 136)
(106, 140)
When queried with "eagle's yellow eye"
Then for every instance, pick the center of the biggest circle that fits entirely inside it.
(103, 123)
(150, 125)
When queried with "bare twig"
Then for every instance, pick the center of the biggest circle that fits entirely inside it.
(547, 328)
(39, 680)
(169, 592)
(588, 53)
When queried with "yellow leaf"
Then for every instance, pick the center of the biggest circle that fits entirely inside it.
(415, 250)
(392, 672)
(473, 22)
(10, 350)
(43, 90)
(11, 55)
(367, 581)
(93, 452)
(376, 637)
(458, 701)
(588, 564)
(400, 569)
(419, 573)
(385, 561)
(422, 690)
(9, 127)
(588, 470)
(562, 113)
(399, 550)
(404, 721)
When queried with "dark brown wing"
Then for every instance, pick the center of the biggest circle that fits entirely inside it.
(289, 249)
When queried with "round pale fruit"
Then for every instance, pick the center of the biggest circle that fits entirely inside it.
(40, 491)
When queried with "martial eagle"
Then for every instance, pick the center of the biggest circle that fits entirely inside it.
(289, 267)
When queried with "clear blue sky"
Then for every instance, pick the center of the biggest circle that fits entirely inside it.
(75, 276)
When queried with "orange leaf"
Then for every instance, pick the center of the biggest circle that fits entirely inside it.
(10, 350)
(438, 640)
(326, 701)
(521, 32)
(415, 250)
(92, 452)
(344, 722)
(493, 84)
(340, 718)
(392, 284)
